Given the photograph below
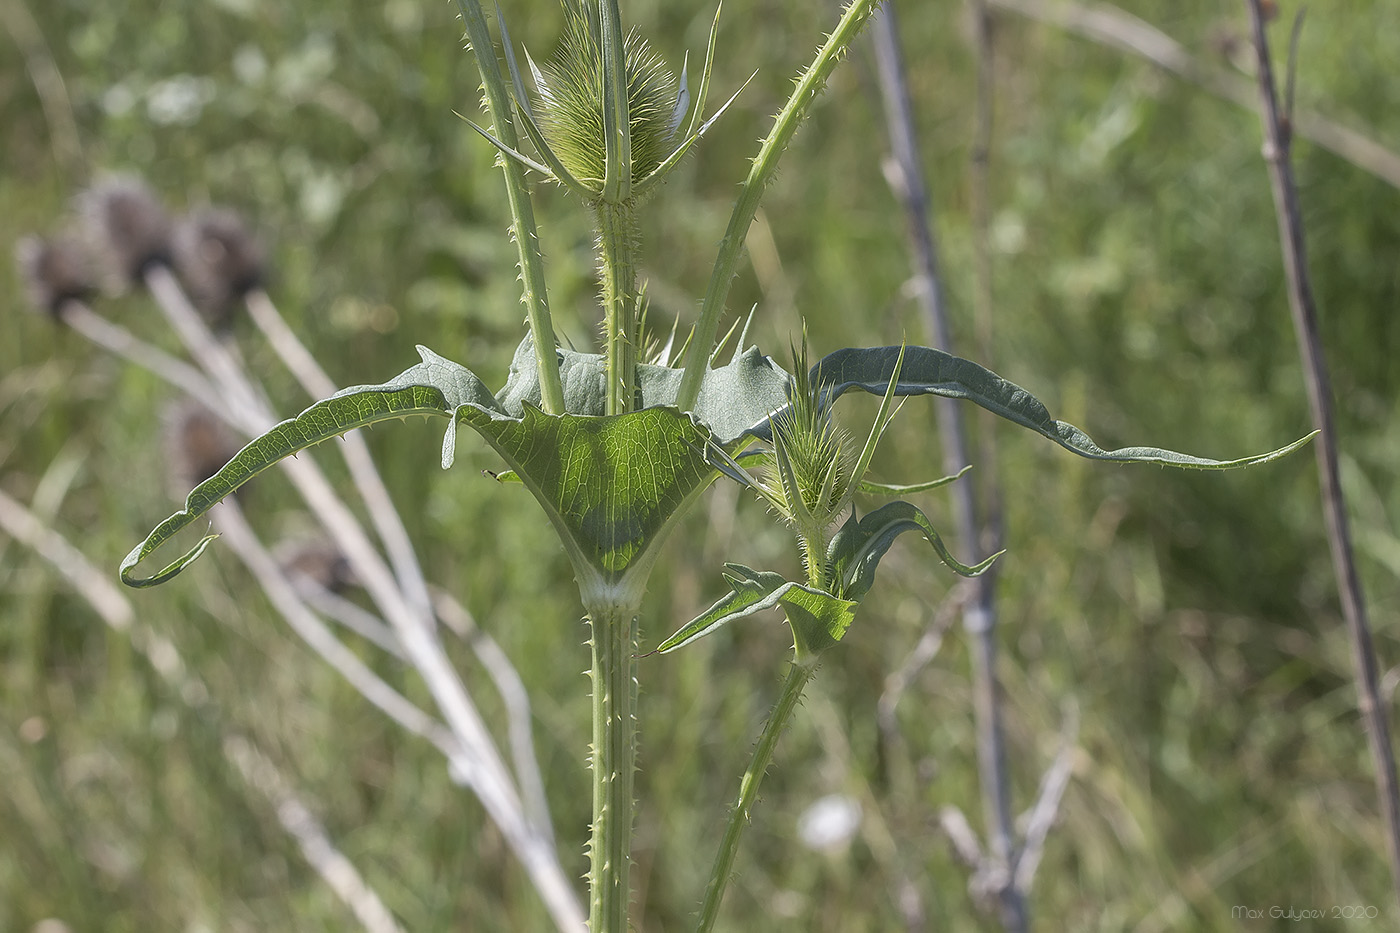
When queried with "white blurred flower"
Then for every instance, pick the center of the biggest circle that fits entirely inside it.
(829, 823)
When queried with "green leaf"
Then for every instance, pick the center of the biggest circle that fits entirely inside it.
(932, 372)
(610, 485)
(436, 386)
(818, 619)
(857, 547)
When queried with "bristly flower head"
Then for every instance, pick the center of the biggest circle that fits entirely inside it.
(571, 93)
(607, 113)
(810, 476)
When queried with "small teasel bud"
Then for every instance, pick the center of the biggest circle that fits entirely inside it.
(197, 443)
(129, 223)
(56, 270)
(219, 260)
(812, 468)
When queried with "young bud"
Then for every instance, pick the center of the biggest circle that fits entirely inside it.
(219, 260)
(55, 271)
(130, 225)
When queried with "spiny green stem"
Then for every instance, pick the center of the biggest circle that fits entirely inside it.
(617, 264)
(814, 557)
(809, 86)
(521, 211)
(614, 677)
(796, 682)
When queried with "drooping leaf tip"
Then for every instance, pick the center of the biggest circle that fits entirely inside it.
(169, 572)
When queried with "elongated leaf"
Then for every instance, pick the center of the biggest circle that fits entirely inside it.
(436, 386)
(818, 619)
(932, 372)
(857, 547)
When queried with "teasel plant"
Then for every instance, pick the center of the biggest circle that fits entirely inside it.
(574, 428)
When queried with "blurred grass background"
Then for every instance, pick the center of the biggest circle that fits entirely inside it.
(1191, 618)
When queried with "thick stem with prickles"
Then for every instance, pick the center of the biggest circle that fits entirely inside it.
(617, 265)
(814, 557)
(614, 675)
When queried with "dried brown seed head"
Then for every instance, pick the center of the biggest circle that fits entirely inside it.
(318, 561)
(198, 444)
(219, 260)
(130, 224)
(56, 270)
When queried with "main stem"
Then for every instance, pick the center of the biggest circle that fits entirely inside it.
(614, 676)
(797, 677)
(617, 267)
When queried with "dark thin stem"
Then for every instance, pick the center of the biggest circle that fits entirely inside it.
(1300, 299)
(979, 616)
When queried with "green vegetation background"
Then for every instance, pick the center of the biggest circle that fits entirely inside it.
(1191, 617)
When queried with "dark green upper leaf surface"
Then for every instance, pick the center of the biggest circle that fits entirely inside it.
(857, 547)
(932, 372)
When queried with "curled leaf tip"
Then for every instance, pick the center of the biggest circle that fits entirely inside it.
(170, 571)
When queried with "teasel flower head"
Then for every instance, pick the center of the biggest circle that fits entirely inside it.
(56, 270)
(607, 113)
(810, 473)
(571, 100)
(219, 260)
(130, 225)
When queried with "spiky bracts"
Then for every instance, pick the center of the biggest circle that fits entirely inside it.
(571, 95)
